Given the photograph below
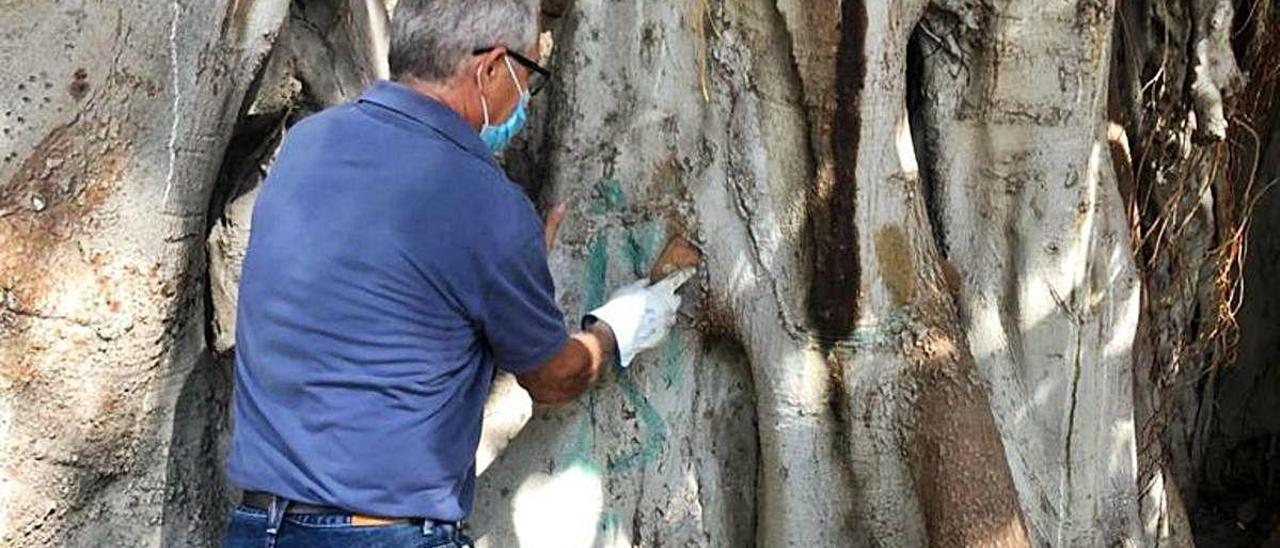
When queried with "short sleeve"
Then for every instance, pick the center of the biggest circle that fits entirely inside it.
(518, 313)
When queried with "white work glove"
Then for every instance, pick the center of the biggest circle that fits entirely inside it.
(640, 315)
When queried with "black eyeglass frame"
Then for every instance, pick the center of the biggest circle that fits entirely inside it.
(526, 63)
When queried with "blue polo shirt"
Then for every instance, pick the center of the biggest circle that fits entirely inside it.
(391, 266)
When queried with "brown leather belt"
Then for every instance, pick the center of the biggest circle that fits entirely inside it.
(262, 501)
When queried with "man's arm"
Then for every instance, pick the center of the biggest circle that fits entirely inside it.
(634, 319)
(572, 370)
(578, 363)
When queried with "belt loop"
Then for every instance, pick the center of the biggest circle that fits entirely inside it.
(275, 517)
(453, 530)
(462, 539)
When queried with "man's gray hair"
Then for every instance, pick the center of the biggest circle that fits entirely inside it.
(432, 39)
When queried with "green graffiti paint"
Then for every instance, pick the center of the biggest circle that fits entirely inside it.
(611, 193)
(655, 431)
(634, 254)
(579, 453)
(641, 247)
(609, 522)
(597, 270)
(672, 369)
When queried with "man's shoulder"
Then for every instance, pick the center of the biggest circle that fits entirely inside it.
(355, 126)
(439, 180)
(476, 193)
(371, 132)
(338, 115)
(485, 212)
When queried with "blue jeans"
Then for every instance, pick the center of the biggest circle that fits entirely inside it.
(250, 528)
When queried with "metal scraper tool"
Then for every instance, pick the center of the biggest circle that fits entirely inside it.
(677, 255)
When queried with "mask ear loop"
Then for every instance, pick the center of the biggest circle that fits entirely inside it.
(514, 78)
(484, 104)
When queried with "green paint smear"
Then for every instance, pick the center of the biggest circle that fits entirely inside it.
(597, 270)
(672, 369)
(641, 248)
(578, 453)
(611, 192)
(655, 437)
(609, 522)
(607, 197)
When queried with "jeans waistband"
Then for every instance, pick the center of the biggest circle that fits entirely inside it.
(262, 501)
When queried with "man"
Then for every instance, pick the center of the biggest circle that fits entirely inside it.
(391, 267)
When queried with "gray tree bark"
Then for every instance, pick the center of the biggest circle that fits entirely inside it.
(115, 119)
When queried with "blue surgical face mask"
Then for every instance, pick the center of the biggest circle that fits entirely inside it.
(497, 138)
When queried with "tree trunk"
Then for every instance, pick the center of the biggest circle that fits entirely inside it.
(116, 117)
(949, 296)
(112, 407)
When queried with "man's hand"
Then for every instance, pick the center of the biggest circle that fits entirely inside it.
(636, 319)
(554, 218)
(574, 369)
(640, 314)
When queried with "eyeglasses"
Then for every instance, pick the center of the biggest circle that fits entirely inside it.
(538, 76)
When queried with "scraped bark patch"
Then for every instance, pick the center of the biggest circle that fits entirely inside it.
(897, 264)
(965, 488)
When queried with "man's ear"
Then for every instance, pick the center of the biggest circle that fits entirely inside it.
(490, 62)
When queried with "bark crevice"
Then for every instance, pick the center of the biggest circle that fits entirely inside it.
(834, 276)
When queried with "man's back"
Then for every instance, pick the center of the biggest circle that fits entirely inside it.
(390, 264)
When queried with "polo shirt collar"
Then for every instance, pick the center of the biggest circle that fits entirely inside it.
(428, 111)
